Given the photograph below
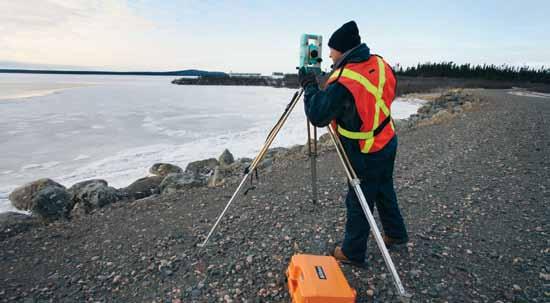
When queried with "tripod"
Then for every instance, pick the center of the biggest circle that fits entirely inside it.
(350, 173)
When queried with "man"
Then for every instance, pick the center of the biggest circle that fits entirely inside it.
(357, 99)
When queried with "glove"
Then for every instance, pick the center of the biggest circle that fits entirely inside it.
(306, 77)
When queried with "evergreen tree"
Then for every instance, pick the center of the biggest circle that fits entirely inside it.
(485, 71)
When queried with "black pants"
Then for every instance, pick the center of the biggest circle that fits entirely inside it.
(377, 185)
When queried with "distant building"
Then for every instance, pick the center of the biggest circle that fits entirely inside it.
(245, 75)
(277, 75)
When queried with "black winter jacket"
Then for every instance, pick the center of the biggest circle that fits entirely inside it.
(336, 102)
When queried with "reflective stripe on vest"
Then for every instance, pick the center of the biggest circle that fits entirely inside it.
(380, 105)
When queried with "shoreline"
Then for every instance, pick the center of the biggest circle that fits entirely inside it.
(87, 169)
(424, 100)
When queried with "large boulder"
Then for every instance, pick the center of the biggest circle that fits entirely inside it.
(143, 187)
(312, 144)
(425, 109)
(164, 169)
(202, 167)
(226, 158)
(467, 105)
(296, 150)
(401, 124)
(181, 181)
(92, 194)
(12, 223)
(202, 170)
(22, 197)
(277, 152)
(51, 204)
(441, 116)
(238, 167)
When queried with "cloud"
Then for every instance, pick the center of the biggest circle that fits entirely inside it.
(249, 35)
(76, 32)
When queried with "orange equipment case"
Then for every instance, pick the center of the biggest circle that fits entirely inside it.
(317, 279)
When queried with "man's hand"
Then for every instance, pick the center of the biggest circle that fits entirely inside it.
(306, 77)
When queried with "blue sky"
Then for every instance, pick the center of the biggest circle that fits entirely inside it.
(263, 36)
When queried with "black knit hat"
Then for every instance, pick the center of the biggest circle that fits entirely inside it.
(345, 38)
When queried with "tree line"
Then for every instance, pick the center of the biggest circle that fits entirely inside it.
(485, 71)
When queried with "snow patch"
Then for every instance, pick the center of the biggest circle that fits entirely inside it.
(529, 94)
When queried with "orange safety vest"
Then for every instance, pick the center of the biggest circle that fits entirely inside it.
(372, 85)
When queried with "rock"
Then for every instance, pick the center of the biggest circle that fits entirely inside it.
(80, 209)
(218, 177)
(414, 118)
(400, 124)
(165, 268)
(77, 187)
(415, 273)
(195, 293)
(12, 223)
(21, 198)
(245, 160)
(143, 187)
(202, 169)
(433, 293)
(441, 116)
(296, 149)
(238, 167)
(457, 109)
(164, 169)
(424, 109)
(305, 148)
(92, 194)
(325, 142)
(276, 152)
(52, 203)
(325, 139)
(266, 164)
(226, 158)
(175, 182)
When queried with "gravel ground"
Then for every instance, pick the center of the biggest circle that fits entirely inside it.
(474, 192)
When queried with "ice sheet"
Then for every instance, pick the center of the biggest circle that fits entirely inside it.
(118, 127)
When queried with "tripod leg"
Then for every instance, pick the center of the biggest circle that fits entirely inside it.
(312, 146)
(224, 210)
(314, 166)
(271, 136)
(273, 133)
(356, 184)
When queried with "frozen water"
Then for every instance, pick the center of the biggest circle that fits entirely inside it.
(116, 127)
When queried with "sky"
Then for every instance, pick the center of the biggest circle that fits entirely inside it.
(263, 36)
